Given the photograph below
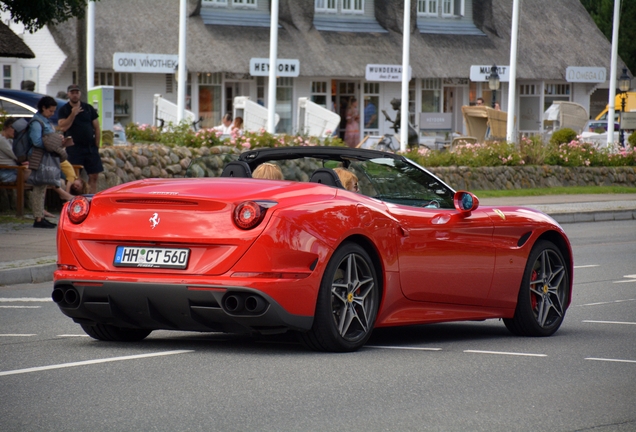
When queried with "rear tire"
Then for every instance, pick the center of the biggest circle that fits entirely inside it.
(544, 293)
(105, 332)
(347, 303)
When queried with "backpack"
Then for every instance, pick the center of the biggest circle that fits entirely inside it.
(21, 142)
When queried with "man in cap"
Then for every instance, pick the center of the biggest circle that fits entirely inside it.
(80, 121)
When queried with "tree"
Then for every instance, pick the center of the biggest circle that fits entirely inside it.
(602, 12)
(35, 14)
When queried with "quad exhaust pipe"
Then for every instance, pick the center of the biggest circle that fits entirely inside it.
(244, 304)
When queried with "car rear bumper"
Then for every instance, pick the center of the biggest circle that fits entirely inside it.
(172, 306)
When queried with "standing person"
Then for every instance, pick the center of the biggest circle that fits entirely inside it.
(80, 121)
(370, 114)
(226, 125)
(37, 129)
(352, 131)
(237, 126)
(480, 101)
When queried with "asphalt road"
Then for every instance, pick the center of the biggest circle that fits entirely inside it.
(447, 377)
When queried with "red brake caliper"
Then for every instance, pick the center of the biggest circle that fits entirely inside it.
(533, 296)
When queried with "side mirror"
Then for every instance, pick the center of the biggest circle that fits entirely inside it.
(465, 202)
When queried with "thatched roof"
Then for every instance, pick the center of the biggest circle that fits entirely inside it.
(552, 36)
(11, 45)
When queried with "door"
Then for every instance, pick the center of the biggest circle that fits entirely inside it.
(346, 91)
(445, 257)
(233, 89)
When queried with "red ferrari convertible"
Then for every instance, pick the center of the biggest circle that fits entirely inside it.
(305, 254)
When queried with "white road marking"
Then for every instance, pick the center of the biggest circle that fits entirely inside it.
(17, 335)
(604, 303)
(611, 360)
(24, 299)
(91, 362)
(73, 335)
(505, 353)
(20, 307)
(587, 266)
(403, 348)
(609, 322)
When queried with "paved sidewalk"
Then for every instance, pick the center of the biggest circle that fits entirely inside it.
(29, 254)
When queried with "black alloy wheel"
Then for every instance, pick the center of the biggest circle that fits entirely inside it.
(544, 293)
(347, 303)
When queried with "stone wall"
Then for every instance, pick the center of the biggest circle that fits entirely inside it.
(139, 161)
(544, 176)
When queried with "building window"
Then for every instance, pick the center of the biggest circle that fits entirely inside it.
(328, 6)
(448, 8)
(431, 95)
(284, 107)
(555, 92)
(342, 6)
(6, 76)
(352, 6)
(244, 3)
(427, 7)
(232, 3)
(319, 93)
(371, 104)
(527, 89)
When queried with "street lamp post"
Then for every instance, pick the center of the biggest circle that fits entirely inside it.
(493, 83)
(624, 83)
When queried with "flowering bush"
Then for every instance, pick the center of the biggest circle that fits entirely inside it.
(529, 151)
(183, 135)
(142, 133)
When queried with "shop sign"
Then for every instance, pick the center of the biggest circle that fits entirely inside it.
(284, 67)
(480, 73)
(436, 121)
(145, 63)
(378, 72)
(585, 74)
(628, 120)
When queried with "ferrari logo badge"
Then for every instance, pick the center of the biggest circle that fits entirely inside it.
(350, 297)
(500, 213)
(154, 220)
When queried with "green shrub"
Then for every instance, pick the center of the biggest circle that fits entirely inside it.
(632, 140)
(564, 149)
(563, 136)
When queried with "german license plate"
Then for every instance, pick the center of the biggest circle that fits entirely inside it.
(133, 256)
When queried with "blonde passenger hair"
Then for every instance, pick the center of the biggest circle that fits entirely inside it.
(268, 171)
(347, 178)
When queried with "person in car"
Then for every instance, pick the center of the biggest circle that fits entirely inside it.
(348, 179)
(268, 171)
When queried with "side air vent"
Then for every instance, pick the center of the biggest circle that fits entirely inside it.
(155, 201)
(524, 238)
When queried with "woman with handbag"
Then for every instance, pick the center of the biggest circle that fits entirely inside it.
(45, 167)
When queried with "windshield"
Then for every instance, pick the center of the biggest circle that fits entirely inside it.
(399, 182)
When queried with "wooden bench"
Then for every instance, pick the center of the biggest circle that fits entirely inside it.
(20, 185)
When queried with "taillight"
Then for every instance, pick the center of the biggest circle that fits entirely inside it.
(78, 209)
(248, 214)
